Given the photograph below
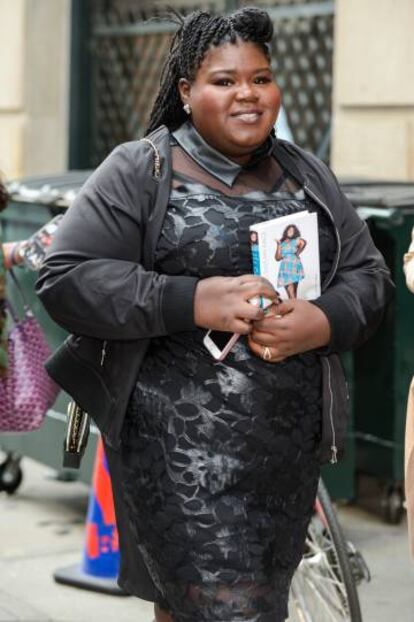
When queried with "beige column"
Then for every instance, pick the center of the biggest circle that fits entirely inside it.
(11, 85)
(373, 98)
(34, 86)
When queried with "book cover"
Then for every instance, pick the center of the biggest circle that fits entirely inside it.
(285, 251)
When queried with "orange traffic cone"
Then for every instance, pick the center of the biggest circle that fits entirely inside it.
(99, 568)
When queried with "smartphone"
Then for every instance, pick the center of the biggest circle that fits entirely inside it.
(219, 343)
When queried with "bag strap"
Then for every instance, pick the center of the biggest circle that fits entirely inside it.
(12, 312)
(19, 288)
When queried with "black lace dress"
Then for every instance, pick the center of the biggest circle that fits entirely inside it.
(220, 472)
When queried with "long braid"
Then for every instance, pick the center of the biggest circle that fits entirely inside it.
(167, 108)
(197, 32)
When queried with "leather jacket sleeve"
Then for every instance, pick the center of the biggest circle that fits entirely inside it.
(357, 297)
(93, 282)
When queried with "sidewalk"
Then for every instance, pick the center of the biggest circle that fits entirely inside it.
(42, 528)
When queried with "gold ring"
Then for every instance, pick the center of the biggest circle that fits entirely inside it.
(266, 354)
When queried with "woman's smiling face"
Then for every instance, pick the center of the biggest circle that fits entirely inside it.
(234, 99)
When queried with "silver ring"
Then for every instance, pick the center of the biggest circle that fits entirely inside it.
(266, 354)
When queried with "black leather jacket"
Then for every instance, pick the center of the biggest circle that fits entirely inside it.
(98, 282)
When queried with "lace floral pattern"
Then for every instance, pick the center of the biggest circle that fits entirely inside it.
(220, 472)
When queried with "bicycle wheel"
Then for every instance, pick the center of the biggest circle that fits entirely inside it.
(323, 587)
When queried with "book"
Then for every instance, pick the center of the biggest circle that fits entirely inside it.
(285, 251)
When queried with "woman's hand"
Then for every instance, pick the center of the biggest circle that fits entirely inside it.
(278, 254)
(301, 246)
(11, 253)
(222, 303)
(292, 327)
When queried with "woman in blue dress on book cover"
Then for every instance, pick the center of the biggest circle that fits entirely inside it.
(288, 251)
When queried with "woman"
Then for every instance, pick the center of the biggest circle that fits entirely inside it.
(409, 426)
(9, 257)
(288, 250)
(409, 264)
(3, 350)
(214, 466)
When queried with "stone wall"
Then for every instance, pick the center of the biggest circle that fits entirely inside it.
(34, 86)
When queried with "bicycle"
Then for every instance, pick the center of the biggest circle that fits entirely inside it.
(324, 587)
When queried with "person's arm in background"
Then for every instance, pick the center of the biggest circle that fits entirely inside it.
(11, 254)
(409, 264)
(409, 422)
(9, 251)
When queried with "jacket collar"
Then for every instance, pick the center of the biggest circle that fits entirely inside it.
(213, 161)
(281, 150)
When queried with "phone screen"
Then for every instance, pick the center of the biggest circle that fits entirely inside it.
(220, 339)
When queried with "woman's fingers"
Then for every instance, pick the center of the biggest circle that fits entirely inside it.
(251, 312)
(270, 354)
(265, 339)
(242, 327)
(252, 285)
(278, 344)
(289, 327)
(275, 324)
(222, 303)
(260, 287)
(303, 327)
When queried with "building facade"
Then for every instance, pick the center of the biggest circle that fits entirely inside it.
(78, 77)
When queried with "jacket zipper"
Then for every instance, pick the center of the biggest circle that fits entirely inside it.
(103, 352)
(78, 423)
(334, 448)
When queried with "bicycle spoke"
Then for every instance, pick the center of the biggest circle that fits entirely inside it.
(315, 602)
(317, 593)
(323, 587)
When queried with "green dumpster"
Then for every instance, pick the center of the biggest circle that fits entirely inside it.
(384, 366)
(34, 201)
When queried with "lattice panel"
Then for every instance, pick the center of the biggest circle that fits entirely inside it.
(127, 68)
(122, 12)
(126, 83)
(302, 61)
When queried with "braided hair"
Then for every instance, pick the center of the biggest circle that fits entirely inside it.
(196, 34)
(296, 233)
